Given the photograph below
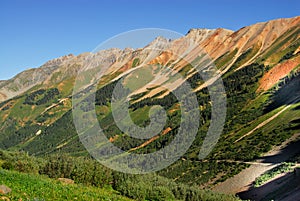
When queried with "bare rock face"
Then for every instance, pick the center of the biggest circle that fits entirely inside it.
(198, 35)
(30, 78)
(58, 61)
(4, 190)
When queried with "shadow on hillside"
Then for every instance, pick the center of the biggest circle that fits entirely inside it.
(297, 108)
(280, 187)
(285, 153)
(286, 94)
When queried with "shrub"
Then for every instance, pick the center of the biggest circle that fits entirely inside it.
(58, 166)
(20, 161)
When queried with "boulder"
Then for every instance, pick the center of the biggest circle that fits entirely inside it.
(66, 180)
(4, 190)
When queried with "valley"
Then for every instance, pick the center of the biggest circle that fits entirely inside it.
(258, 66)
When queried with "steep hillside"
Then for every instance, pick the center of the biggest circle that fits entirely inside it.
(85, 179)
(259, 65)
(35, 187)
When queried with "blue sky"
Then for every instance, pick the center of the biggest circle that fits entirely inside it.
(35, 31)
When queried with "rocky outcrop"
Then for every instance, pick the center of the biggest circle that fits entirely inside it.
(4, 190)
(66, 180)
(116, 62)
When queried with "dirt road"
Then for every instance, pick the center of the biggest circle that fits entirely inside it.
(244, 180)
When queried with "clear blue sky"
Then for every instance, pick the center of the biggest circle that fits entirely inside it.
(34, 31)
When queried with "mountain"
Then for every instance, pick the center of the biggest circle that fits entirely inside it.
(259, 65)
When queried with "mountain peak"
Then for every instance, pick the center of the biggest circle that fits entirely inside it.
(58, 60)
(159, 42)
(199, 31)
(159, 39)
(198, 35)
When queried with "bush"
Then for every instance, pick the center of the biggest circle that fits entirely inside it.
(58, 166)
(20, 161)
(282, 168)
(89, 172)
(154, 187)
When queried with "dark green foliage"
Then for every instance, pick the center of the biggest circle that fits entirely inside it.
(31, 98)
(262, 141)
(89, 172)
(240, 88)
(243, 81)
(20, 161)
(282, 168)
(167, 102)
(16, 136)
(242, 57)
(7, 107)
(153, 187)
(138, 96)
(290, 51)
(148, 187)
(135, 62)
(287, 56)
(225, 58)
(104, 94)
(41, 96)
(81, 170)
(50, 94)
(58, 166)
(4, 103)
(195, 80)
(54, 135)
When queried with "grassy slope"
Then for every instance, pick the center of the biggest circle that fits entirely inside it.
(36, 187)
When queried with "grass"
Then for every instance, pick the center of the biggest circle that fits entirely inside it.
(140, 116)
(135, 62)
(36, 187)
(225, 59)
(24, 112)
(66, 87)
(252, 125)
(246, 56)
(273, 133)
(287, 116)
(139, 78)
(93, 181)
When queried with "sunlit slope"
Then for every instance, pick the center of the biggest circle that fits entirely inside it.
(259, 65)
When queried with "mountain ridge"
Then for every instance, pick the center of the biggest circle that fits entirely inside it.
(213, 41)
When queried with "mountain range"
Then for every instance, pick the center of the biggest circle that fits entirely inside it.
(259, 66)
